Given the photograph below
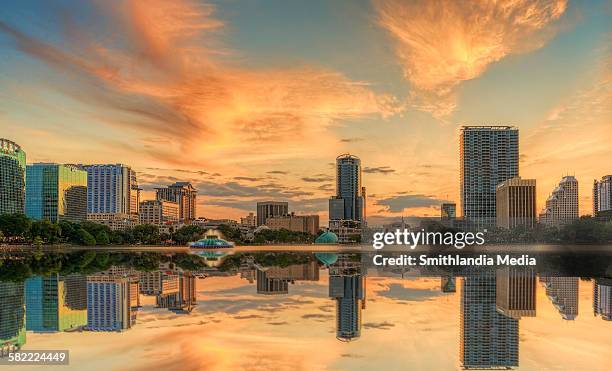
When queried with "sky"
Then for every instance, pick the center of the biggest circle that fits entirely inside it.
(253, 100)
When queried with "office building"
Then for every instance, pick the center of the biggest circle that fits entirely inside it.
(347, 206)
(602, 196)
(182, 301)
(249, 221)
(56, 193)
(108, 303)
(184, 195)
(12, 315)
(270, 209)
(562, 205)
(488, 155)
(563, 294)
(158, 212)
(112, 189)
(488, 339)
(516, 203)
(116, 222)
(12, 177)
(348, 292)
(56, 303)
(602, 298)
(295, 223)
(516, 292)
(158, 283)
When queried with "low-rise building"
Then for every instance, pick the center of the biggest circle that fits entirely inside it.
(296, 223)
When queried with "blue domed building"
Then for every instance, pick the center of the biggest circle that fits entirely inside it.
(211, 243)
(327, 238)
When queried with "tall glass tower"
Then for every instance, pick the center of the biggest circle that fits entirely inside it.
(12, 177)
(348, 189)
(489, 155)
(56, 192)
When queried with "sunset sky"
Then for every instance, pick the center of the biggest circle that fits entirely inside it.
(253, 100)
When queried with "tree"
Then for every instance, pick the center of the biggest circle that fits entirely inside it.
(85, 238)
(102, 238)
(187, 234)
(48, 232)
(15, 225)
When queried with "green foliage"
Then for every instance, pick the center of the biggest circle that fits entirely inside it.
(188, 233)
(102, 238)
(268, 236)
(15, 225)
(85, 238)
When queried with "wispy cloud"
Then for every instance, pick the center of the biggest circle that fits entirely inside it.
(440, 43)
(378, 170)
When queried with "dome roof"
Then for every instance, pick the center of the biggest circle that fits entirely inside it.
(327, 238)
(327, 258)
(211, 243)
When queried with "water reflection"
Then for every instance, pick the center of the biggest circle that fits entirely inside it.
(104, 292)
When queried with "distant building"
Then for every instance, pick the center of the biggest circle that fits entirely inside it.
(158, 212)
(516, 292)
(347, 206)
(563, 293)
(296, 223)
(56, 192)
(12, 177)
(602, 195)
(12, 313)
(271, 285)
(448, 214)
(185, 195)
(249, 221)
(562, 205)
(488, 339)
(270, 209)
(116, 222)
(448, 283)
(489, 155)
(108, 303)
(602, 298)
(158, 283)
(516, 203)
(56, 303)
(112, 189)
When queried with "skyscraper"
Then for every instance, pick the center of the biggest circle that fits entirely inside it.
(489, 155)
(348, 291)
(56, 303)
(602, 298)
(488, 339)
(346, 208)
(563, 293)
(185, 195)
(562, 205)
(56, 192)
(602, 195)
(12, 177)
(516, 203)
(12, 315)
(108, 303)
(516, 292)
(270, 209)
(158, 212)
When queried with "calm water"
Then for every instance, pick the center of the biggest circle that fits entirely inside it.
(307, 310)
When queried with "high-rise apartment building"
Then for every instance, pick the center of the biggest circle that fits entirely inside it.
(270, 209)
(348, 292)
(562, 205)
(158, 212)
(347, 207)
(56, 192)
(488, 155)
(516, 292)
(56, 303)
(12, 177)
(249, 220)
(488, 339)
(158, 283)
(296, 223)
(111, 189)
(184, 195)
(563, 293)
(602, 298)
(108, 303)
(602, 195)
(516, 203)
(12, 313)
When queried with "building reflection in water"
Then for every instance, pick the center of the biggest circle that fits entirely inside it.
(347, 288)
(275, 280)
(488, 338)
(56, 303)
(12, 317)
(563, 294)
(602, 298)
(516, 292)
(448, 283)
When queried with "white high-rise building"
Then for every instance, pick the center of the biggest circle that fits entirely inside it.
(562, 205)
(602, 195)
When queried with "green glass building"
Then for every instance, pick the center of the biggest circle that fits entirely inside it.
(12, 177)
(56, 303)
(12, 317)
(56, 192)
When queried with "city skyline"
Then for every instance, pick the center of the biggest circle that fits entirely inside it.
(277, 107)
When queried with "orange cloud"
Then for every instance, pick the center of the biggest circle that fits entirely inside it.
(442, 43)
